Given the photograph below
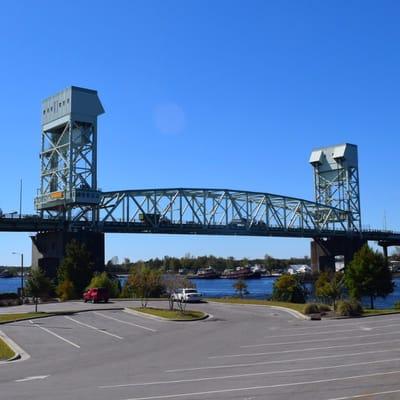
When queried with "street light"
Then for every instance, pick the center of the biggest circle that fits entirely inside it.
(22, 273)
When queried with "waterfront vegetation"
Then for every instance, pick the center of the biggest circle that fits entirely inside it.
(187, 315)
(5, 351)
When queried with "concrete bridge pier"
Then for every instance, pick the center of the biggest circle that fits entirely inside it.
(48, 249)
(324, 251)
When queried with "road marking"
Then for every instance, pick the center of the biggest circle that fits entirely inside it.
(342, 346)
(125, 322)
(363, 328)
(242, 389)
(360, 396)
(55, 334)
(212, 378)
(32, 378)
(318, 340)
(93, 327)
(225, 366)
(330, 324)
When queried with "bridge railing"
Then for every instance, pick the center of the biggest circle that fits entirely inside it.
(208, 208)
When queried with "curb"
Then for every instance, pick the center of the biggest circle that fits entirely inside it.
(294, 313)
(141, 314)
(20, 353)
(56, 313)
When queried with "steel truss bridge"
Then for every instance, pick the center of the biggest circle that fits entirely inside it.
(203, 211)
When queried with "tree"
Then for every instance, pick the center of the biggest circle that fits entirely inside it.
(65, 290)
(289, 288)
(171, 283)
(330, 287)
(103, 280)
(76, 266)
(368, 275)
(269, 263)
(145, 283)
(241, 287)
(38, 285)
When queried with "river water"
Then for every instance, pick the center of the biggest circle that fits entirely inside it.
(257, 288)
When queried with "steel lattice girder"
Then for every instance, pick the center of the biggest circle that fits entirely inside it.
(218, 208)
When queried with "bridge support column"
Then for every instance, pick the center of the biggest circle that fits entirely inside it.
(324, 251)
(48, 249)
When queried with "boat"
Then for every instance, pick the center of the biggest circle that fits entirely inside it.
(207, 273)
(241, 273)
(6, 274)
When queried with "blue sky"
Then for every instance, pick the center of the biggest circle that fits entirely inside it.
(253, 86)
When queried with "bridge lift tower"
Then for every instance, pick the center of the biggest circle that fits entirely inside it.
(336, 182)
(68, 179)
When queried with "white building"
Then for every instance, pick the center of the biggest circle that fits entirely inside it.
(298, 269)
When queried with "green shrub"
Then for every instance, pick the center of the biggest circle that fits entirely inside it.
(356, 307)
(290, 289)
(343, 308)
(127, 291)
(66, 291)
(397, 305)
(324, 308)
(311, 308)
(347, 308)
(8, 296)
(104, 281)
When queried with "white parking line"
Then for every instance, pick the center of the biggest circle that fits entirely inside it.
(243, 389)
(342, 346)
(315, 326)
(242, 365)
(93, 327)
(363, 328)
(125, 322)
(32, 378)
(212, 378)
(360, 396)
(318, 340)
(55, 334)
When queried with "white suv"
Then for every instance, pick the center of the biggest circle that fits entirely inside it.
(186, 295)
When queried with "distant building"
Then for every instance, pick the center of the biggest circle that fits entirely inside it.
(394, 266)
(298, 269)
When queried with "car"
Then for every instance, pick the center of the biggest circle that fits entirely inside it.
(187, 295)
(95, 295)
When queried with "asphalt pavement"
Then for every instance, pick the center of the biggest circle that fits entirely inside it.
(240, 352)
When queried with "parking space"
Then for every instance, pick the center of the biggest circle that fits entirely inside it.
(241, 353)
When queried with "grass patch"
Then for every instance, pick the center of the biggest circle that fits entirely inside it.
(385, 311)
(235, 300)
(5, 351)
(188, 315)
(17, 317)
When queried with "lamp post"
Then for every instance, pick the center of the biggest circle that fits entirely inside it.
(22, 273)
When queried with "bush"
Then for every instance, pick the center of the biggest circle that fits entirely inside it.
(357, 307)
(346, 308)
(311, 308)
(127, 291)
(397, 305)
(8, 296)
(66, 291)
(324, 308)
(289, 288)
(104, 281)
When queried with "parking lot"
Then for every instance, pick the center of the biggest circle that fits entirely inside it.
(241, 352)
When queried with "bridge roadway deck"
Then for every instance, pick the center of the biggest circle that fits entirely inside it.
(34, 224)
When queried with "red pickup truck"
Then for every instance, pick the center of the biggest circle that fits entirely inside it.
(95, 295)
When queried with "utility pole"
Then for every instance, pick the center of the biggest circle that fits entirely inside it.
(22, 274)
(20, 198)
